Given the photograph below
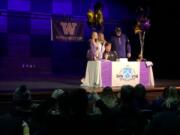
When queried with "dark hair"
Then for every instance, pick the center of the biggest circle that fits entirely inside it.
(140, 91)
(107, 44)
(107, 91)
(22, 96)
(118, 29)
(127, 93)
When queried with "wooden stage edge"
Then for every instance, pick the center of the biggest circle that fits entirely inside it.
(41, 94)
(42, 88)
(48, 91)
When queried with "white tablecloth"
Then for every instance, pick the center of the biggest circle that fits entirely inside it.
(107, 73)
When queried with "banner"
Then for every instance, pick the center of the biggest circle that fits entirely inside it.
(125, 73)
(66, 30)
(107, 73)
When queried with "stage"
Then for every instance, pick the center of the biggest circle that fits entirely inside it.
(47, 82)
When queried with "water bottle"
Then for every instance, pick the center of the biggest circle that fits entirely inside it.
(25, 128)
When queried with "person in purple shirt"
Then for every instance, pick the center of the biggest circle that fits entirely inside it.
(120, 44)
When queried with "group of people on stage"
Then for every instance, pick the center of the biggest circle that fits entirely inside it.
(118, 47)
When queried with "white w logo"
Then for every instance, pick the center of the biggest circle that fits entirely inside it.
(68, 28)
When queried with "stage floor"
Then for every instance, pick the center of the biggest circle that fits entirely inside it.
(48, 82)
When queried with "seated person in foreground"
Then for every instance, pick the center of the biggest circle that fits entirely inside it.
(108, 53)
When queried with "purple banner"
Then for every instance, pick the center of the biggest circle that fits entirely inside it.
(144, 74)
(67, 30)
(106, 73)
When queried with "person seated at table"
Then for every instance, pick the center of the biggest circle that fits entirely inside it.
(108, 53)
(96, 50)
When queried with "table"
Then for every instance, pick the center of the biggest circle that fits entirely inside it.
(116, 73)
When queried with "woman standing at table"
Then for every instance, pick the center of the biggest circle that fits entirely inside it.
(102, 40)
(96, 49)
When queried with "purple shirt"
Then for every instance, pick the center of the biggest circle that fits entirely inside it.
(121, 45)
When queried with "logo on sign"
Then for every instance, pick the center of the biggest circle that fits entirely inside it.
(68, 28)
(127, 74)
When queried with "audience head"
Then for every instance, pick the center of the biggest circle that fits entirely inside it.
(22, 97)
(140, 91)
(172, 92)
(171, 98)
(108, 97)
(57, 93)
(107, 91)
(127, 93)
(126, 100)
